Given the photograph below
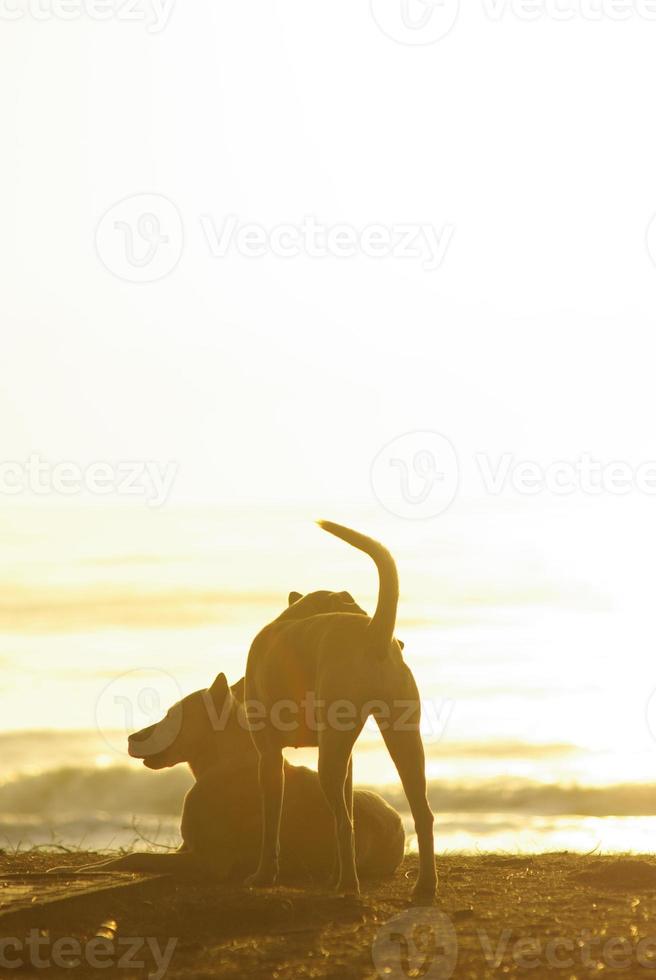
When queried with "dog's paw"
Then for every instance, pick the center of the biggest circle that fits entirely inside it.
(349, 894)
(263, 878)
(347, 888)
(424, 891)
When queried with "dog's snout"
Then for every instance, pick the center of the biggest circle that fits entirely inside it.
(143, 734)
(138, 737)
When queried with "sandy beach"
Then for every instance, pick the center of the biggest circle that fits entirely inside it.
(495, 915)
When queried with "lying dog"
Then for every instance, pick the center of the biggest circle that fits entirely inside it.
(331, 671)
(220, 826)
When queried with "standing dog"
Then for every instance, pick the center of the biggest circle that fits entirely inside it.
(313, 678)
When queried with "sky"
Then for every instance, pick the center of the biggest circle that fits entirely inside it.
(392, 263)
(527, 146)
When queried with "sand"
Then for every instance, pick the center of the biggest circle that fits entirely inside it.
(495, 916)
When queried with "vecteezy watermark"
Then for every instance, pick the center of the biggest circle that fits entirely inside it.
(415, 21)
(420, 942)
(565, 477)
(317, 240)
(155, 14)
(416, 475)
(583, 951)
(134, 478)
(38, 951)
(314, 714)
(136, 700)
(140, 239)
(570, 10)
(423, 942)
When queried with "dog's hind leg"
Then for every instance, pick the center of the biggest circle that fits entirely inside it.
(348, 788)
(336, 778)
(272, 785)
(407, 751)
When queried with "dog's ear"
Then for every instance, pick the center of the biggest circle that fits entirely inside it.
(294, 597)
(219, 689)
(401, 644)
(239, 689)
(346, 597)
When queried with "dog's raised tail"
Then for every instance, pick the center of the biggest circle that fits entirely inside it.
(381, 627)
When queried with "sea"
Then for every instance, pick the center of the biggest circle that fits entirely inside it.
(528, 624)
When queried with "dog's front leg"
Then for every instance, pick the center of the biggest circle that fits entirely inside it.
(272, 784)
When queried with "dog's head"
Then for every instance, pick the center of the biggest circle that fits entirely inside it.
(186, 729)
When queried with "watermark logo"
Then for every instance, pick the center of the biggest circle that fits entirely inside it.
(423, 942)
(38, 951)
(566, 11)
(415, 21)
(595, 954)
(140, 238)
(39, 477)
(562, 477)
(421, 22)
(416, 476)
(155, 14)
(401, 716)
(315, 239)
(420, 942)
(314, 714)
(135, 700)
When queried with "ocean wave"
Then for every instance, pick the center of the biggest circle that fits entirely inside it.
(540, 799)
(97, 832)
(119, 790)
(86, 790)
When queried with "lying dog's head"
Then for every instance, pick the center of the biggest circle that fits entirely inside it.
(186, 729)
